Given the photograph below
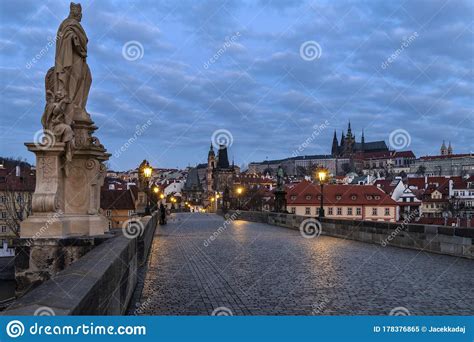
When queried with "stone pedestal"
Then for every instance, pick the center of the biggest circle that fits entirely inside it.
(280, 201)
(37, 260)
(66, 200)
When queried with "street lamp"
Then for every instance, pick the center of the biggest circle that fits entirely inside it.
(147, 170)
(322, 175)
(239, 192)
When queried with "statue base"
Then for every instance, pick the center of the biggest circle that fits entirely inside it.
(280, 201)
(66, 200)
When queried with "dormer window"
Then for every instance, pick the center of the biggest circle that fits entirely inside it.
(338, 197)
(353, 197)
(293, 197)
(308, 197)
(369, 197)
(377, 197)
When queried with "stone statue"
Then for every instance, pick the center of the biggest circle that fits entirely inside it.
(70, 167)
(67, 84)
(71, 72)
(280, 176)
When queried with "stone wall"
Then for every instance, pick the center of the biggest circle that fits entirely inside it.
(99, 283)
(430, 238)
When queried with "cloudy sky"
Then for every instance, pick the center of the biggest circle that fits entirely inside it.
(272, 76)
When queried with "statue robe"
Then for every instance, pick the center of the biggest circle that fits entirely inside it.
(73, 77)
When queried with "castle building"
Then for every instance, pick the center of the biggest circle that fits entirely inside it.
(348, 146)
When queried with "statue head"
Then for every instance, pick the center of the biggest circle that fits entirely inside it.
(75, 11)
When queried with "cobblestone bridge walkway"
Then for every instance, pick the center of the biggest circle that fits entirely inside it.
(257, 269)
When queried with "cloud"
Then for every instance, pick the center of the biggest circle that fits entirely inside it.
(259, 87)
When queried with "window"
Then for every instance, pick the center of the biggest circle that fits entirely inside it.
(338, 197)
(131, 212)
(353, 197)
(339, 211)
(369, 197)
(4, 214)
(358, 211)
(108, 213)
(110, 224)
(308, 197)
(3, 199)
(4, 229)
(387, 211)
(293, 197)
(377, 197)
(349, 211)
(307, 211)
(293, 210)
(374, 211)
(330, 211)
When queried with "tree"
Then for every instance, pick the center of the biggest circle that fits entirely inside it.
(16, 191)
(421, 170)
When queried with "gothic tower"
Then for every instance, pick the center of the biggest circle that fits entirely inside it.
(444, 150)
(450, 149)
(211, 164)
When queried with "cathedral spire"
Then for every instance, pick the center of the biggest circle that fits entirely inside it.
(362, 139)
(349, 131)
(335, 144)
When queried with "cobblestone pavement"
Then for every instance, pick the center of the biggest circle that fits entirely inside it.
(258, 269)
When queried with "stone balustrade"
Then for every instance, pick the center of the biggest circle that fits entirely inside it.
(430, 238)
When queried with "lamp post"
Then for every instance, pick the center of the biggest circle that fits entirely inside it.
(322, 175)
(156, 191)
(239, 192)
(147, 170)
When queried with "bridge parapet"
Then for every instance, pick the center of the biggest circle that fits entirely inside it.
(430, 238)
(101, 282)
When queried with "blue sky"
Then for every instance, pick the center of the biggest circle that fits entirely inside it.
(204, 66)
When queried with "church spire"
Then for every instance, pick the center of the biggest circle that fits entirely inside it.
(335, 144)
(362, 139)
(349, 131)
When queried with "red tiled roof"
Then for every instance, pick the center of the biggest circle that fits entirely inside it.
(307, 193)
(117, 199)
(10, 182)
(404, 154)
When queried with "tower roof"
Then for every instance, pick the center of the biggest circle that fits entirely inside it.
(222, 158)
